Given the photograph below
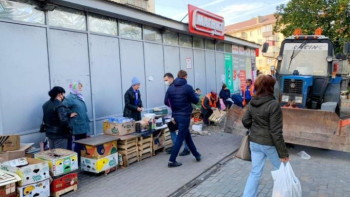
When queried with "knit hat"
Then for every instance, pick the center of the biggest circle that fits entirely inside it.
(213, 94)
(135, 81)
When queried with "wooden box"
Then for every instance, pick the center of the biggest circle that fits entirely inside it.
(63, 182)
(34, 171)
(126, 128)
(10, 142)
(61, 161)
(41, 188)
(99, 165)
(8, 183)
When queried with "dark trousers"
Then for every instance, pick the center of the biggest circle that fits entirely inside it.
(206, 116)
(184, 134)
(75, 146)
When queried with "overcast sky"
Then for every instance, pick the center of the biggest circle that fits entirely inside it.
(232, 10)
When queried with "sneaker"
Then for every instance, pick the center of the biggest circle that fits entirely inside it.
(168, 151)
(199, 158)
(185, 152)
(174, 164)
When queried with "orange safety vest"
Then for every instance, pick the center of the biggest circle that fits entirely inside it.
(251, 93)
(211, 103)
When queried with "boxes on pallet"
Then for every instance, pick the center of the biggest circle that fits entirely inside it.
(61, 161)
(64, 182)
(119, 126)
(28, 169)
(99, 165)
(41, 188)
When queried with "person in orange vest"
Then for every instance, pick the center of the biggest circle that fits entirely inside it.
(209, 102)
(247, 92)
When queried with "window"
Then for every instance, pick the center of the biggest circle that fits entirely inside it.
(101, 24)
(209, 44)
(267, 28)
(130, 30)
(67, 18)
(185, 40)
(152, 34)
(220, 46)
(259, 31)
(244, 35)
(228, 48)
(171, 38)
(198, 43)
(21, 10)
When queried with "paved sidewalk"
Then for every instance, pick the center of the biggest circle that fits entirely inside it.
(152, 177)
(326, 174)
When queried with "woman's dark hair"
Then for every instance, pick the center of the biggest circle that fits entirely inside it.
(224, 86)
(55, 91)
(264, 85)
(169, 75)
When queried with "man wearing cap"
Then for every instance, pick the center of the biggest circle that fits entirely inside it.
(209, 102)
(133, 104)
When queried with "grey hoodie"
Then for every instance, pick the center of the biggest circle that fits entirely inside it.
(264, 119)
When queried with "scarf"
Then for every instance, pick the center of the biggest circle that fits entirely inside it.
(75, 90)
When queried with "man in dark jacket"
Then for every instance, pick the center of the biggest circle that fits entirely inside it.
(56, 119)
(133, 103)
(209, 102)
(180, 96)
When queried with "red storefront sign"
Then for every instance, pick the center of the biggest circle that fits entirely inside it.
(206, 23)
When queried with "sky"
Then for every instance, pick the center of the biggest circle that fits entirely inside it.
(233, 11)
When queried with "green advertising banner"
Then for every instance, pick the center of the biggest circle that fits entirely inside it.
(229, 72)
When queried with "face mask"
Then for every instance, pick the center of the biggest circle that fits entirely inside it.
(167, 83)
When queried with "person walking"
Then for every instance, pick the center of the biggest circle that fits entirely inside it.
(173, 127)
(180, 96)
(80, 123)
(133, 104)
(209, 102)
(56, 119)
(264, 120)
(247, 92)
(224, 95)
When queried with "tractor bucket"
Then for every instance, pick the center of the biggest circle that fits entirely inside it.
(315, 128)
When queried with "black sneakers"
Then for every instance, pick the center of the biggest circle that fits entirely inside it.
(199, 158)
(185, 152)
(174, 164)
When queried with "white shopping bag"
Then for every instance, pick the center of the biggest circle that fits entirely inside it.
(285, 183)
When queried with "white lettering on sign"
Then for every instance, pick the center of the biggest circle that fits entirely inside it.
(307, 46)
(208, 23)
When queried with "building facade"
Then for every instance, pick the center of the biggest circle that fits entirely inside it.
(103, 45)
(146, 5)
(260, 30)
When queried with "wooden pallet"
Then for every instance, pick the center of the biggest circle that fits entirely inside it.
(128, 148)
(106, 172)
(145, 147)
(64, 191)
(145, 156)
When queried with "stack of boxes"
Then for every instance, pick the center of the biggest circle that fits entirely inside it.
(63, 164)
(34, 176)
(8, 182)
(100, 154)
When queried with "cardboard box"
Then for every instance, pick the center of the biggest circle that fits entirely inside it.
(64, 182)
(10, 142)
(35, 170)
(10, 155)
(41, 188)
(111, 128)
(99, 151)
(61, 161)
(99, 165)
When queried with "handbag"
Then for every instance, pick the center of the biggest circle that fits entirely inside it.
(244, 149)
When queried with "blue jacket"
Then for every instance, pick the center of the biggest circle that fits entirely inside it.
(79, 124)
(179, 98)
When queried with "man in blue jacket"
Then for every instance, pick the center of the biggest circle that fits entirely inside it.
(179, 97)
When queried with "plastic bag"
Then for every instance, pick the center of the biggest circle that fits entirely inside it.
(285, 183)
(222, 105)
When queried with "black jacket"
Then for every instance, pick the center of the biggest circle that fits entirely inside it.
(225, 94)
(264, 119)
(56, 118)
(207, 106)
(130, 109)
(179, 97)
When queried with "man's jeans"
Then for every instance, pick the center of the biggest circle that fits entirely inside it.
(184, 134)
(259, 153)
(173, 138)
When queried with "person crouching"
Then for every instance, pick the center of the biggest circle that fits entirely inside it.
(209, 102)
